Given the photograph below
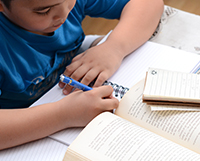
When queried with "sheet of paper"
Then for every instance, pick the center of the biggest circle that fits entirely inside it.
(42, 150)
(66, 136)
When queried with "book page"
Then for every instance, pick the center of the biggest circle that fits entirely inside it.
(181, 127)
(165, 85)
(111, 138)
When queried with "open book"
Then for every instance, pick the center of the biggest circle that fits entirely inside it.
(165, 87)
(134, 132)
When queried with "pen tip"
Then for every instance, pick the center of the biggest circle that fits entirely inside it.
(62, 77)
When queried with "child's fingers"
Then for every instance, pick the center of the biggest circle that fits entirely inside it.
(67, 89)
(77, 57)
(61, 84)
(89, 77)
(104, 91)
(110, 104)
(109, 101)
(102, 77)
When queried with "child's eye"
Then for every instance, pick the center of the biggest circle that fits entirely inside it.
(44, 12)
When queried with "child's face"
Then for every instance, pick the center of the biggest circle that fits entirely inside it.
(39, 16)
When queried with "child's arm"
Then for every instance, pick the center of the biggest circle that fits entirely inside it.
(137, 23)
(19, 126)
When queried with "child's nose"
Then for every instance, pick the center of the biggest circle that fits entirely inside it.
(59, 19)
(62, 14)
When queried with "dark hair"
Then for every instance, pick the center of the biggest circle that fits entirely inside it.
(7, 3)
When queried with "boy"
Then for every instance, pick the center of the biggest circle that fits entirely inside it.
(39, 39)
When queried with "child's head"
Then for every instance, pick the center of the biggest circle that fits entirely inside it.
(37, 16)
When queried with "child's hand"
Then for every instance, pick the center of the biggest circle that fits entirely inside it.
(97, 63)
(79, 108)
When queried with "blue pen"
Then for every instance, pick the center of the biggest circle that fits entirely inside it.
(74, 83)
